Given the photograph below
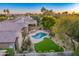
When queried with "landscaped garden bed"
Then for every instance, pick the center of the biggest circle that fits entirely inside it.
(9, 52)
(47, 45)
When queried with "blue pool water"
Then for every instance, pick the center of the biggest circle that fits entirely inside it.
(39, 35)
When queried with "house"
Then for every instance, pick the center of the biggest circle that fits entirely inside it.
(7, 39)
(10, 31)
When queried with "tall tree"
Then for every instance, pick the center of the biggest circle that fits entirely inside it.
(43, 9)
(6, 12)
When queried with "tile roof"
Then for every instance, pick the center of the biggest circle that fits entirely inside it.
(8, 29)
(6, 26)
(7, 36)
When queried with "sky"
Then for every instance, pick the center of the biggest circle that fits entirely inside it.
(35, 7)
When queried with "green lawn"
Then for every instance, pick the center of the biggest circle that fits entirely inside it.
(47, 45)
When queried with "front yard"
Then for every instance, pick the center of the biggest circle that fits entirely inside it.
(47, 45)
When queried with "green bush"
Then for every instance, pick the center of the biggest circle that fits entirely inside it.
(9, 52)
(76, 53)
(47, 22)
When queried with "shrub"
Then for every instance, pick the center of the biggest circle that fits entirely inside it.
(10, 51)
(76, 52)
(47, 22)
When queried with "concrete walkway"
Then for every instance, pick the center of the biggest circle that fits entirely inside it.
(66, 53)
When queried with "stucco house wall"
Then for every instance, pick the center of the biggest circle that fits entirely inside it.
(19, 41)
(7, 45)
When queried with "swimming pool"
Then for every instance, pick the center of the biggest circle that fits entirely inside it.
(39, 35)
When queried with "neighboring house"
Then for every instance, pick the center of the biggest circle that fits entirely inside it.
(10, 31)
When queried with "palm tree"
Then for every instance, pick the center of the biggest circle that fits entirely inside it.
(4, 11)
(43, 9)
(7, 12)
(46, 11)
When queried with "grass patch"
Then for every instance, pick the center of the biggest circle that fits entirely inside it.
(47, 45)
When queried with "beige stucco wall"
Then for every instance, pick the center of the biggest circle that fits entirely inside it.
(2, 46)
(7, 45)
(19, 40)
